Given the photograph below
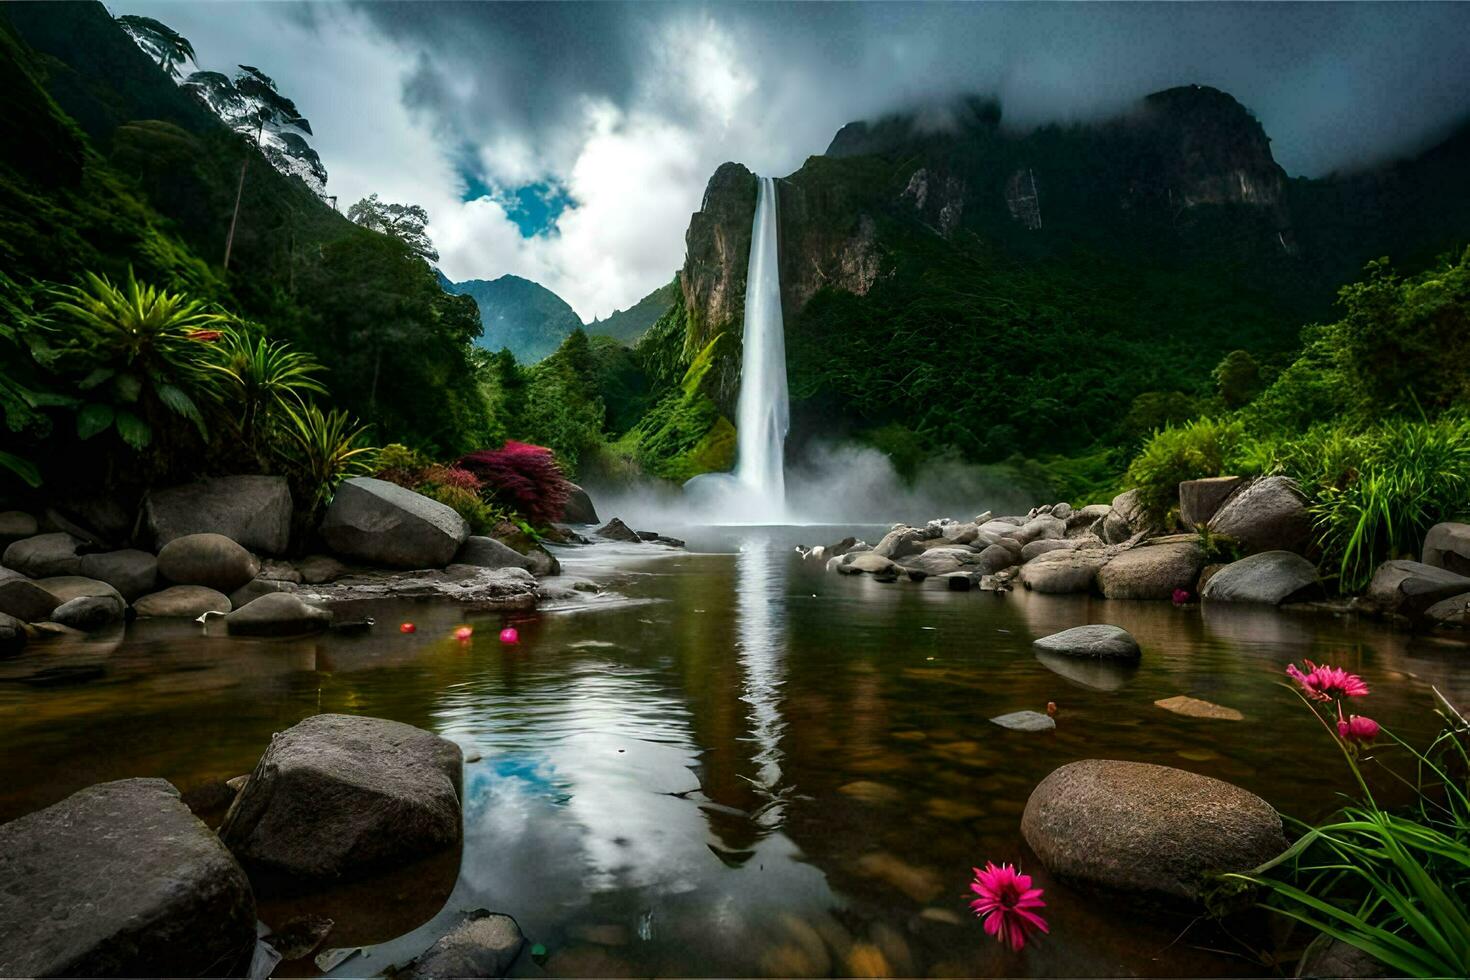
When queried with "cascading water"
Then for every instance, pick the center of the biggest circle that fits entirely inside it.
(757, 492)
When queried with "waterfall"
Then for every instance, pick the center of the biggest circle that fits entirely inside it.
(762, 413)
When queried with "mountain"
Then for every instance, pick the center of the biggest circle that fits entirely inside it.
(997, 292)
(532, 320)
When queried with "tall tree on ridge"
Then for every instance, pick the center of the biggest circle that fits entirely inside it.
(158, 41)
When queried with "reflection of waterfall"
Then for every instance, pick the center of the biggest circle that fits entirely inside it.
(756, 493)
(761, 635)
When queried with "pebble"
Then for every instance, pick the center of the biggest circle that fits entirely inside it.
(1025, 721)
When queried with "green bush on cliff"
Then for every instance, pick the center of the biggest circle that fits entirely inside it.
(1202, 448)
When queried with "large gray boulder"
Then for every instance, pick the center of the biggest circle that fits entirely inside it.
(277, 614)
(181, 602)
(1410, 587)
(1125, 518)
(486, 552)
(25, 600)
(383, 523)
(1270, 577)
(1200, 500)
(1063, 572)
(616, 530)
(44, 555)
(900, 543)
(131, 572)
(252, 510)
(1084, 519)
(121, 879)
(89, 612)
(1453, 612)
(68, 587)
(1448, 546)
(339, 795)
(1267, 515)
(1132, 826)
(1041, 546)
(484, 945)
(578, 509)
(866, 561)
(212, 560)
(1098, 641)
(257, 587)
(999, 557)
(942, 561)
(1152, 571)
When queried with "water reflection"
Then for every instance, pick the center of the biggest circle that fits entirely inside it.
(760, 586)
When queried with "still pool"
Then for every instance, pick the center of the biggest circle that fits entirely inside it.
(733, 763)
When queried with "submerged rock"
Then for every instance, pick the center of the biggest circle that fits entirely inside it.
(1091, 673)
(1410, 587)
(277, 614)
(1025, 721)
(616, 530)
(485, 552)
(1182, 704)
(212, 560)
(383, 523)
(484, 945)
(1098, 641)
(1134, 826)
(120, 879)
(1270, 577)
(252, 510)
(340, 795)
(182, 602)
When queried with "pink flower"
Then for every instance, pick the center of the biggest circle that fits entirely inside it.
(510, 635)
(1006, 902)
(406, 627)
(1357, 729)
(1181, 596)
(1327, 683)
(463, 633)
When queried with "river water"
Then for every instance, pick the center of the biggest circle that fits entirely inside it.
(733, 763)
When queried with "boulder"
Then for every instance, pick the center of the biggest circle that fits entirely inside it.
(900, 542)
(870, 562)
(960, 533)
(44, 555)
(383, 523)
(89, 612)
(1061, 511)
(1200, 500)
(257, 587)
(277, 614)
(1098, 641)
(1410, 587)
(1152, 571)
(486, 552)
(320, 569)
(120, 879)
(1125, 518)
(254, 511)
(1133, 826)
(1041, 546)
(279, 571)
(998, 557)
(25, 600)
(12, 635)
(616, 530)
(339, 795)
(1040, 528)
(15, 525)
(1270, 577)
(1081, 521)
(942, 561)
(68, 587)
(959, 581)
(1266, 515)
(1063, 572)
(182, 602)
(131, 572)
(541, 563)
(1452, 612)
(1448, 546)
(484, 945)
(578, 509)
(207, 559)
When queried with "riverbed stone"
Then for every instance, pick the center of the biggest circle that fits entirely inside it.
(320, 569)
(1063, 572)
(1098, 640)
(960, 533)
(578, 508)
(942, 561)
(1183, 704)
(15, 525)
(182, 602)
(485, 552)
(130, 571)
(870, 562)
(1268, 514)
(25, 600)
(277, 614)
(89, 612)
(1409, 588)
(13, 635)
(44, 555)
(257, 587)
(616, 530)
(383, 523)
(1125, 518)
(1082, 520)
(1025, 721)
(68, 587)
(1447, 546)
(1041, 546)
(998, 557)
(340, 795)
(484, 945)
(900, 542)
(1152, 571)
(1138, 827)
(252, 510)
(1453, 612)
(207, 559)
(1270, 577)
(1200, 500)
(1040, 528)
(120, 879)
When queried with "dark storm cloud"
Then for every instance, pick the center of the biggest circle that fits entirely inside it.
(1336, 85)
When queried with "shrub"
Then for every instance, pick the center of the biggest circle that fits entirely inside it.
(320, 450)
(522, 477)
(451, 476)
(263, 378)
(478, 514)
(1202, 448)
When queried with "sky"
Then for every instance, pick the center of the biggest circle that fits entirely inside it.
(569, 143)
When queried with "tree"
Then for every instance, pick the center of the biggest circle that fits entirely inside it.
(158, 41)
(1238, 378)
(406, 222)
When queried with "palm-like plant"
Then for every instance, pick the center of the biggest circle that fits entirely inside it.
(321, 449)
(264, 380)
(145, 348)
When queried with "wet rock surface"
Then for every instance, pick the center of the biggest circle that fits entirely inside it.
(211, 560)
(484, 945)
(385, 524)
(182, 602)
(487, 588)
(252, 510)
(1270, 577)
(1098, 641)
(277, 614)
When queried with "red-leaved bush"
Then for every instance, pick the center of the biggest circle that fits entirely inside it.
(451, 476)
(523, 477)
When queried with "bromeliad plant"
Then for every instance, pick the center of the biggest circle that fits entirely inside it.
(320, 450)
(263, 382)
(1394, 884)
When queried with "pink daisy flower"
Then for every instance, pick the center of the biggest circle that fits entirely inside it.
(1006, 903)
(1356, 728)
(1327, 683)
